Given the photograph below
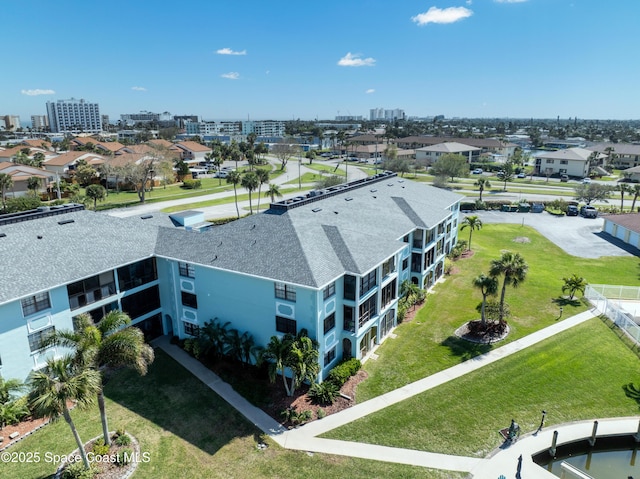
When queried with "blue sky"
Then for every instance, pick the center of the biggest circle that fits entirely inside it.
(258, 59)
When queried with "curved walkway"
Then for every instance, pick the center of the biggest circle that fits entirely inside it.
(505, 461)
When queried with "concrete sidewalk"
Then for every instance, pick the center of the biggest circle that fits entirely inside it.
(304, 437)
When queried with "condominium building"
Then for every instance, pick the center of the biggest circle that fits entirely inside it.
(74, 116)
(330, 262)
(387, 115)
(264, 128)
(39, 122)
(11, 122)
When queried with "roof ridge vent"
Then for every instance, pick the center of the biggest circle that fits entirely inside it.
(66, 222)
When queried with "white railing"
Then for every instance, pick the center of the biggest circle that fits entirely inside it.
(571, 472)
(606, 299)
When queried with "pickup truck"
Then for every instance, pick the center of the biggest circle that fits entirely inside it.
(588, 211)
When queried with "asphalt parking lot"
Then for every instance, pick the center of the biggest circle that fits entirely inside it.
(576, 235)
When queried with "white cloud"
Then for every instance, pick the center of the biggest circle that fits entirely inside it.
(469, 2)
(138, 88)
(370, 90)
(229, 51)
(510, 1)
(37, 91)
(442, 15)
(231, 75)
(350, 60)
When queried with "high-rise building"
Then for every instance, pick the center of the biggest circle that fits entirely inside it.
(39, 122)
(11, 122)
(74, 116)
(388, 115)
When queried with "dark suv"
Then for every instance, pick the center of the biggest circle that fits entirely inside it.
(572, 210)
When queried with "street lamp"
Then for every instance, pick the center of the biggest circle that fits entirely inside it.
(299, 177)
(544, 413)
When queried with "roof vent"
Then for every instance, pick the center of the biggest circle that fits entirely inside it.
(315, 210)
(39, 236)
(66, 222)
(348, 198)
(373, 190)
(146, 217)
(3, 235)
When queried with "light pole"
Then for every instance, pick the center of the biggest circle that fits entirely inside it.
(299, 177)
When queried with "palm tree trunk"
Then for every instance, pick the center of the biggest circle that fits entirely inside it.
(504, 290)
(83, 453)
(235, 193)
(103, 417)
(259, 188)
(483, 318)
(250, 205)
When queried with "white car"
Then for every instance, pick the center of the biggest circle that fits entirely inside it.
(221, 174)
(586, 180)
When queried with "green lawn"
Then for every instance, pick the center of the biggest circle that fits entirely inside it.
(428, 344)
(576, 375)
(190, 432)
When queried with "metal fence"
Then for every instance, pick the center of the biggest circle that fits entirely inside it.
(606, 299)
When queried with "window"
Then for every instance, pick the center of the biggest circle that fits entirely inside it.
(388, 293)
(187, 270)
(190, 328)
(349, 287)
(329, 322)
(368, 309)
(550, 162)
(329, 290)
(137, 274)
(36, 339)
(389, 267)
(405, 263)
(91, 290)
(189, 299)
(285, 291)
(142, 302)
(286, 325)
(348, 323)
(35, 303)
(329, 356)
(367, 282)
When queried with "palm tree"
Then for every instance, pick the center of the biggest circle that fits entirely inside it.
(6, 182)
(104, 346)
(488, 286)
(636, 192)
(276, 354)
(263, 178)
(33, 183)
(514, 269)
(273, 192)
(96, 192)
(58, 383)
(473, 223)
(303, 361)
(234, 179)
(574, 284)
(623, 188)
(482, 183)
(8, 386)
(250, 183)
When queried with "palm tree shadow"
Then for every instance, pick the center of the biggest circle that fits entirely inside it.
(632, 392)
(464, 349)
(565, 301)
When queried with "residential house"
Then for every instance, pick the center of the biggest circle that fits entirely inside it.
(570, 161)
(193, 152)
(428, 155)
(619, 155)
(20, 175)
(331, 262)
(496, 146)
(64, 165)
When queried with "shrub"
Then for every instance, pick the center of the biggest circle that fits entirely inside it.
(123, 440)
(481, 205)
(77, 471)
(324, 393)
(343, 371)
(100, 448)
(320, 413)
(120, 432)
(22, 203)
(192, 184)
(124, 456)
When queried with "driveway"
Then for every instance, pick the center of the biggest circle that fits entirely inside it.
(576, 235)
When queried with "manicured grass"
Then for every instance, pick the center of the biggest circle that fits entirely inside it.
(576, 375)
(428, 344)
(189, 432)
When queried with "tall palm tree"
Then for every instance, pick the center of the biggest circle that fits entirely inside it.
(482, 183)
(104, 346)
(273, 192)
(263, 178)
(636, 192)
(473, 223)
(6, 182)
(488, 286)
(276, 354)
(303, 361)
(234, 178)
(58, 383)
(514, 269)
(250, 183)
(623, 188)
(574, 284)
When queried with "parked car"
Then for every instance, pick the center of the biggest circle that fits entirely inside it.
(586, 181)
(477, 171)
(572, 210)
(221, 174)
(521, 175)
(564, 178)
(588, 211)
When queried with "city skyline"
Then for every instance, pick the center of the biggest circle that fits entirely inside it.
(251, 60)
